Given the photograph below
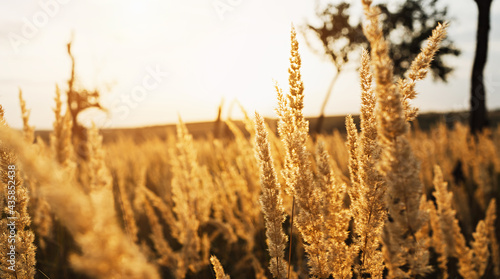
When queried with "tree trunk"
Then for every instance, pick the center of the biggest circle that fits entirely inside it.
(478, 114)
(321, 117)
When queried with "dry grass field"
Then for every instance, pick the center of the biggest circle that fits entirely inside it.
(384, 200)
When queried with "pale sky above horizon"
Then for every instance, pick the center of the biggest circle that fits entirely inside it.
(153, 60)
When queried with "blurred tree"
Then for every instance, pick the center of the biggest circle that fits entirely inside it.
(78, 101)
(407, 24)
(478, 112)
(218, 120)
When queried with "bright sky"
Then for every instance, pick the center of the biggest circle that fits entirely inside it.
(154, 60)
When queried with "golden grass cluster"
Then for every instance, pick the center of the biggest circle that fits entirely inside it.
(386, 201)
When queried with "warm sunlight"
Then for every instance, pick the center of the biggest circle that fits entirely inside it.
(211, 50)
(285, 139)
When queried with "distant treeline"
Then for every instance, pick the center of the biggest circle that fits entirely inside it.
(425, 121)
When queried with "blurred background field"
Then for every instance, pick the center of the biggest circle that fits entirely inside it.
(332, 123)
(106, 188)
